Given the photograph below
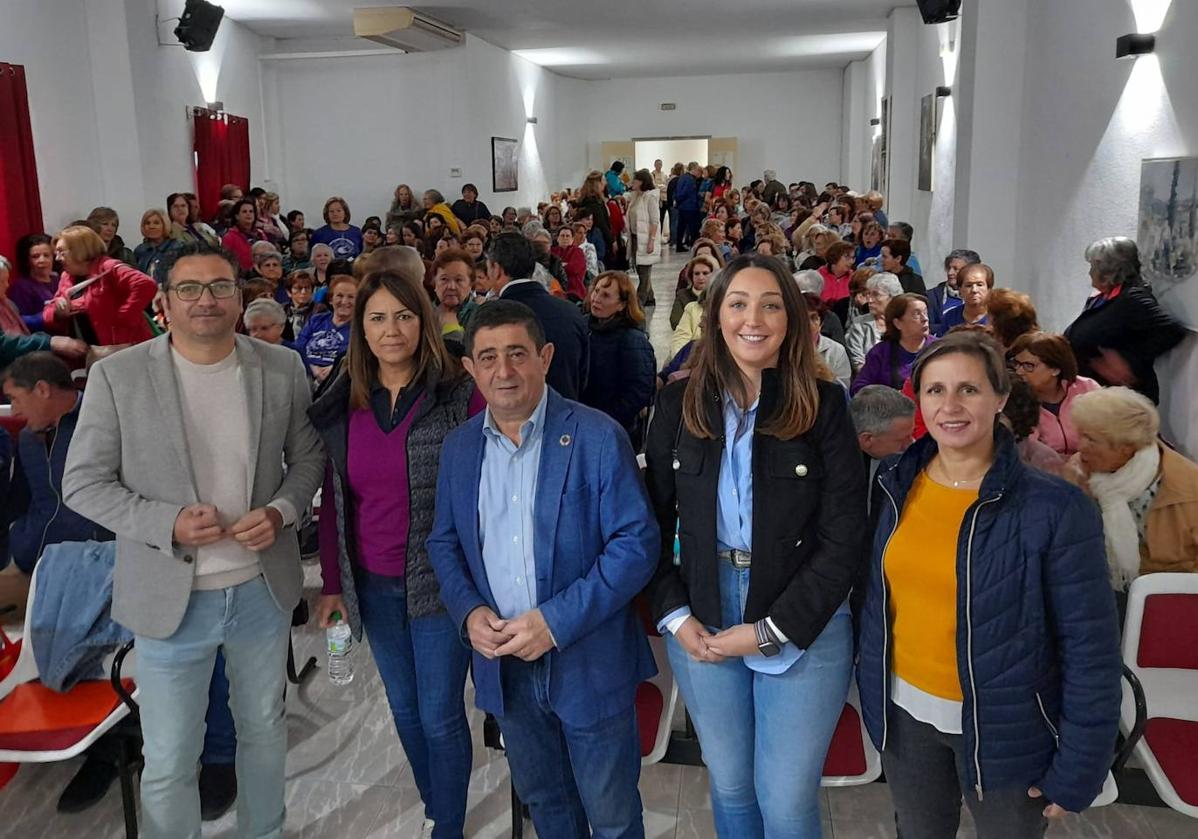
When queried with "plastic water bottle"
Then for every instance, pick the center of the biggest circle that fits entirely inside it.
(341, 645)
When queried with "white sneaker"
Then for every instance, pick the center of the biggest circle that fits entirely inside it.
(426, 829)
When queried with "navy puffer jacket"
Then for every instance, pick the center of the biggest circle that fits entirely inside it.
(1037, 632)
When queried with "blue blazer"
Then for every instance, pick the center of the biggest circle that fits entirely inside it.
(596, 547)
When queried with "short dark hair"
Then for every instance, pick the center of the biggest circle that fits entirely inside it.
(36, 367)
(25, 246)
(471, 188)
(200, 248)
(970, 257)
(513, 253)
(972, 343)
(900, 249)
(907, 230)
(293, 215)
(504, 313)
(303, 231)
(617, 166)
(339, 266)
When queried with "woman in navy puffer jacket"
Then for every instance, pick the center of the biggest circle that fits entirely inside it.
(623, 370)
(989, 652)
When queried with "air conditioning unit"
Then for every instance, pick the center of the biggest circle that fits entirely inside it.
(405, 29)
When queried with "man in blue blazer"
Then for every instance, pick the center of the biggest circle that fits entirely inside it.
(543, 536)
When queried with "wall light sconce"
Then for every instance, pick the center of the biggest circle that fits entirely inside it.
(531, 120)
(943, 91)
(1135, 45)
(215, 106)
(875, 121)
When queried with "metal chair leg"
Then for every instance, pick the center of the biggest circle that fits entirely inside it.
(128, 798)
(306, 671)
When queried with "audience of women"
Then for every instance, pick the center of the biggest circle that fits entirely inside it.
(453, 277)
(837, 273)
(866, 330)
(157, 249)
(468, 209)
(1122, 330)
(185, 224)
(974, 282)
(382, 422)
(106, 222)
(326, 335)
(622, 369)
(404, 208)
(1148, 493)
(574, 261)
(989, 665)
(239, 239)
(889, 362)
(100, 299)
(1045, 361)
(698, 272)
(753, 462)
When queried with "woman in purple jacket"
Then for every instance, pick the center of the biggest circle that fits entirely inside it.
(383, 419)
(889, 362)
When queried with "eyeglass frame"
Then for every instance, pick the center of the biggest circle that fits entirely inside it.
(208, 287)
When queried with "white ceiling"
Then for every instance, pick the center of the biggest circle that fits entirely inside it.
(597, 39)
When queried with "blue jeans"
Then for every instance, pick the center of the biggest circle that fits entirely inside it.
(765, 737)
(174, 676)
(423, 665)
(570, 775)
(220, 734)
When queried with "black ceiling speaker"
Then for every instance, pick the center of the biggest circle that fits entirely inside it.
(939, 11)
(198, 24)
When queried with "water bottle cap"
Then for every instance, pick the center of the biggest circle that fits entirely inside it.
(336, 617)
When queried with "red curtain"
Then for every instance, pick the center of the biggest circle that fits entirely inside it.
(20, 200)
(222, 156)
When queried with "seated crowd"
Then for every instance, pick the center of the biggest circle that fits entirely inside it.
(839, 462)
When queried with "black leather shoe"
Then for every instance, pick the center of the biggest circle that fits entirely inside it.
(218, 790)
(88, 786)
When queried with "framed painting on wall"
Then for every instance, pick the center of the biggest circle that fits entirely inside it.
(927, 140)
(505, 160)
(1168, 233)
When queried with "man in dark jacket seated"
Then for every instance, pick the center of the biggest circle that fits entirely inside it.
(40, 389)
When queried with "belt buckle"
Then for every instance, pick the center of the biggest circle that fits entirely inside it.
(740, 559)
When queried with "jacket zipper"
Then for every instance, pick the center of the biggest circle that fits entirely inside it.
(1047, 721)
(973, 690)
(886, 619)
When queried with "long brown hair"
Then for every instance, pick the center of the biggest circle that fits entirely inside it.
(431, 361)
(715, 371)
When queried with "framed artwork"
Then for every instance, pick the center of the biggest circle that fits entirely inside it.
(505, 160)
(883, 152)
(1167, 235)
(927, 140)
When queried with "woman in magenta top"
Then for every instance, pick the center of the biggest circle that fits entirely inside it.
(239, 239)
(383, 419)
(837, 274)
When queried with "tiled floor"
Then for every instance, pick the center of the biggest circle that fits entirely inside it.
(347, 776)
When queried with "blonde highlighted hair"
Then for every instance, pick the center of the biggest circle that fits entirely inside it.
(1117, 415)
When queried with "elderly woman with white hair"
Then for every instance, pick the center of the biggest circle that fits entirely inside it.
(866, 330)
(266, 320)
(1122, 329)
(1148, 492)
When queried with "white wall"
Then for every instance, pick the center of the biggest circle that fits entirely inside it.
(107, 102)
(670, 152)
(790, 122)
(356, 127)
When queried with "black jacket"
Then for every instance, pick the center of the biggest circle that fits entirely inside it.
(911, 282)
(623, 368)
(566, 328)
(1134, 325)
(470, 212)
(808, 514)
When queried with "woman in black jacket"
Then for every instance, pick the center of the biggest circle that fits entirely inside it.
(753, 459)
(1122, 329)
(590, 197)
(620, 382)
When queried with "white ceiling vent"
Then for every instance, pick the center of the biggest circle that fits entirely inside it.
(405, 29)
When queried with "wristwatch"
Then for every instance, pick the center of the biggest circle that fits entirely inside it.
(767, 645)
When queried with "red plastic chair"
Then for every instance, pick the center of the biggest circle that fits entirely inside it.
(1160, 646)
(38, 725)
(852, 759)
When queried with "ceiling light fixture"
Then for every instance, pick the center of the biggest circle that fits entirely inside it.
(1135, 45)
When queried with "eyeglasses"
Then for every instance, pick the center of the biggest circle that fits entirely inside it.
(192, 291)
(1026, 366)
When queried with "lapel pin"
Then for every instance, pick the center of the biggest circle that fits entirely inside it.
(565, 440)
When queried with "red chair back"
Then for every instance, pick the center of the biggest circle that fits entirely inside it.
(1168, 618)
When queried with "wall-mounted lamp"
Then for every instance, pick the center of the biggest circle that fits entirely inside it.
(531, 120)
(943, 91)
(875, 121)
(1135, 45)
(215, 106)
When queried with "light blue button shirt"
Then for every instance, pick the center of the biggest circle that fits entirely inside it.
(506, 495)
(734, 491)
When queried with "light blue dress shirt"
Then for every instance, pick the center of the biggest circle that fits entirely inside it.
(506, 495)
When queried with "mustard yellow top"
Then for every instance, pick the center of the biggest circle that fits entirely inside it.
(921, 572)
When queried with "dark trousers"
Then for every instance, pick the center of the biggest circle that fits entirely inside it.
(925, 769)
(570, 775)
(689, 224)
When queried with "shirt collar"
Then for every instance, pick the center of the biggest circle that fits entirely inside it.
(511, 283)
(533, 426)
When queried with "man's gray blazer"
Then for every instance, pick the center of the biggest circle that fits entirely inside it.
(129, 470)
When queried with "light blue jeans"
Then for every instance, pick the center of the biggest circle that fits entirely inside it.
(764, 737)
(173, 675)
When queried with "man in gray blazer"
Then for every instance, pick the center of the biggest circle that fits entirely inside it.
(196, 451)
